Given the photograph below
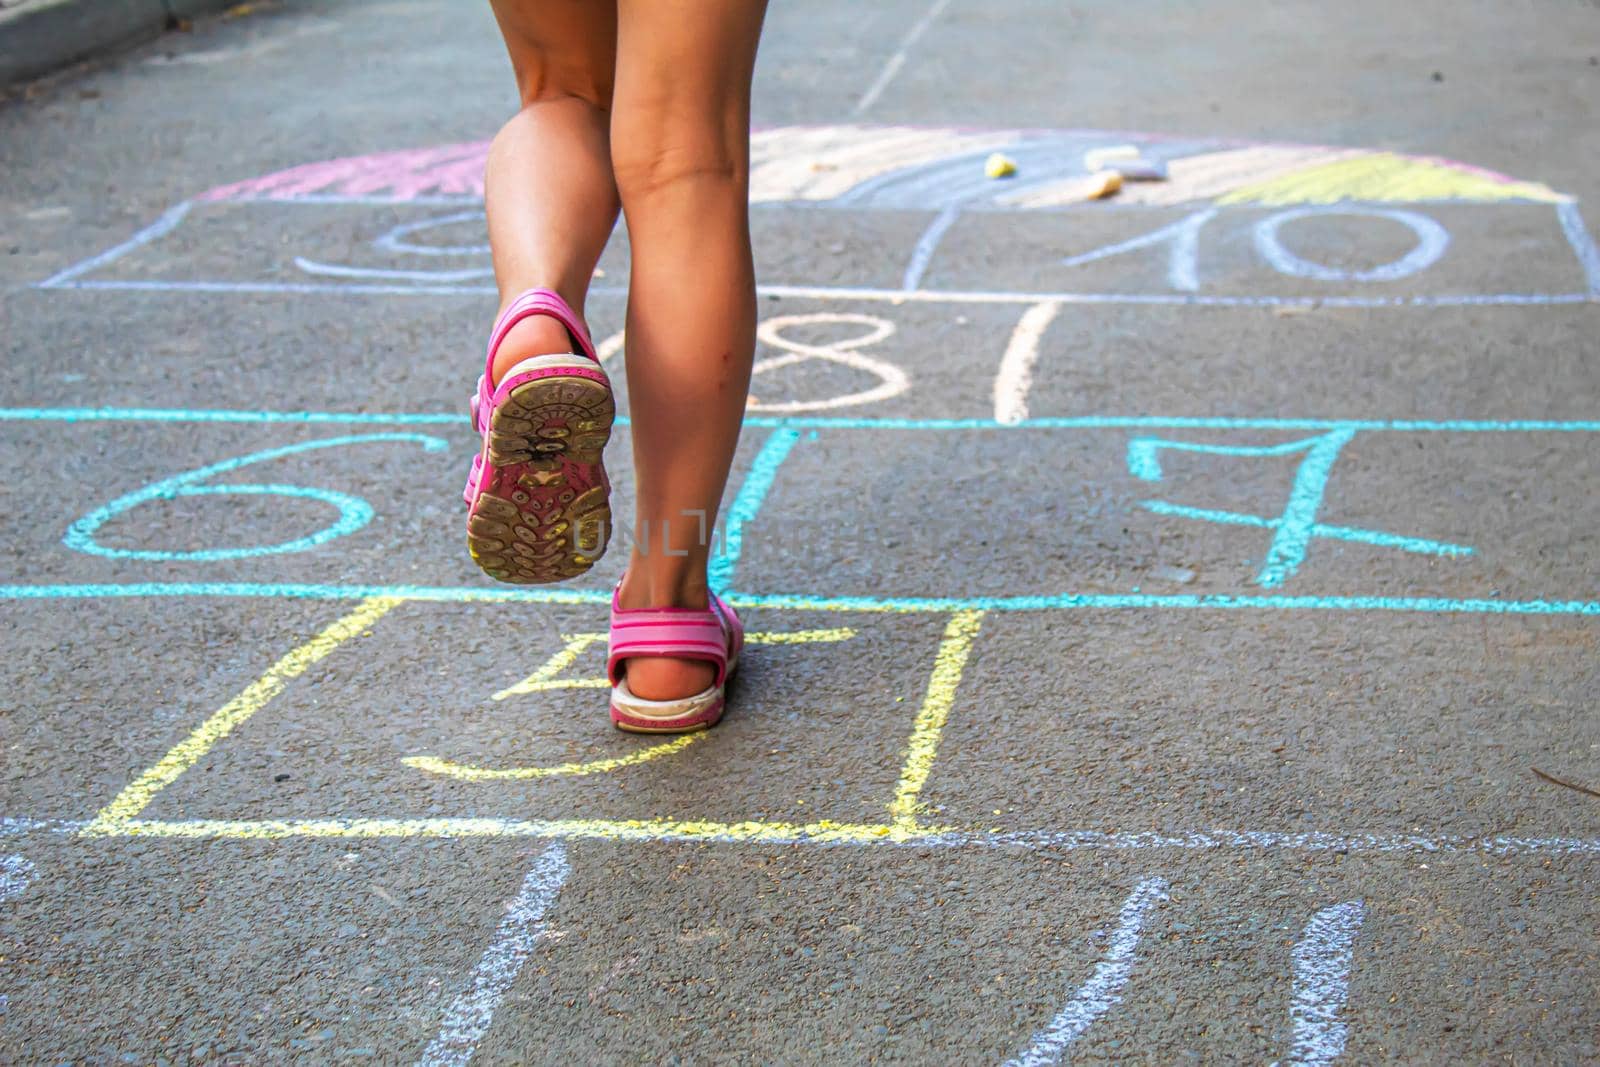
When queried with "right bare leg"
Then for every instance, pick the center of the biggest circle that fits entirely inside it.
(680, 148)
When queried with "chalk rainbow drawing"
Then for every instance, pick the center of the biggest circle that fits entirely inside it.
(938, 171)
(922, 168)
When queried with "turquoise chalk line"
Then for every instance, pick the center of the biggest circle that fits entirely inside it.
(747, 505)
(1081, 422)
(808, 602)
(1420, 545)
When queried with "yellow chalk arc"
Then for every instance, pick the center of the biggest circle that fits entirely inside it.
(545, 678)
(469, 773)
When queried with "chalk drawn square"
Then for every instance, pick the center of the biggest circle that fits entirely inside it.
(1258, 507)
(94, 692)
(1338, 252)
(429, 674)
(1285, 723)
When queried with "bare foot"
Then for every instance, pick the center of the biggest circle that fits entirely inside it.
(661, 677)
(536, 335)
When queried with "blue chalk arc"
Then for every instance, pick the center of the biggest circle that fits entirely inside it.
(354, 512)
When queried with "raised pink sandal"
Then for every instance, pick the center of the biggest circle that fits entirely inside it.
(713, 634)
(537, 494)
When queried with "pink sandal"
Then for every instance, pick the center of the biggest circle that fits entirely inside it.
(713, 634)
(538, 497)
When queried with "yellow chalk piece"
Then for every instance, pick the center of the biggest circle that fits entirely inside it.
(1095, 186)
(948, 664)
(1105, 183)
(999, 166)
(142, 790)
(1382, 177)
(468, 773)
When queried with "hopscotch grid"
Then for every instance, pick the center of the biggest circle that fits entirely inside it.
(903, 829)
(121, 818)
(121, 815)
(774, 452)
(1568, 215)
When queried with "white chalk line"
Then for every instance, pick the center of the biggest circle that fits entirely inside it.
(891, 296)
(1015, 378)
(153, 232)
(15, 874)
(898, 59)
(927, 245)
(1182, 259)
(441, 277)
(1322, 983)
(1275, 841)
(522, 928)
(892, 381)
(611, 346)
(1032, 840)
(1103, 989)
(10, 827)
(1583, 244)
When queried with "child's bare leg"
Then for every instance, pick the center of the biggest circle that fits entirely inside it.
(548, 190)
(680, 149)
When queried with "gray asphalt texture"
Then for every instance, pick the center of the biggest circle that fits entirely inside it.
(1263, 762)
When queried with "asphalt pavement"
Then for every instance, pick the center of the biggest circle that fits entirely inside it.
(1174, 614)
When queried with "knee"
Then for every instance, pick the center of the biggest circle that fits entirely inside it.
(661, 154)
(547, 78)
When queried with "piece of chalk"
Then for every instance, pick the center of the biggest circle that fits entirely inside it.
(1140, 170)
(1106, 183)
(1100, 158)
(999, 166)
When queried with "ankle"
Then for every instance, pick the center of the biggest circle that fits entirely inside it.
(643, 589)
(536, 335)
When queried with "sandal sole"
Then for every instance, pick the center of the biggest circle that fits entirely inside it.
(632, 729)
(635, 725)
(529, 526)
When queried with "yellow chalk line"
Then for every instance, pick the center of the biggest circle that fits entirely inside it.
(799, 637)
(142, 790)
(544, 678)
(948, 664)
(823, 831)
(469, 773)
